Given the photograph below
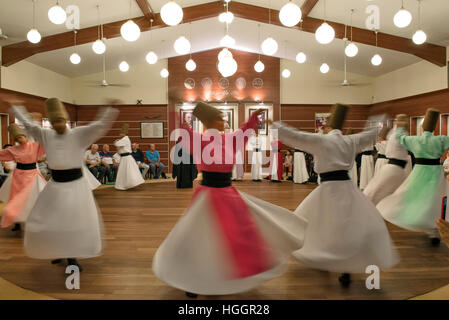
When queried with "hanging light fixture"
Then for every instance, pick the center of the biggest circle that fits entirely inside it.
(227, 66)
(419, 37)
(190, 64)
(376, 60)
(227, 41)
(123, 66)
(325, 33)
(351, 49)
(98, 46)
(57, 14)
(224, 53)
(286, 73)
(324, 68)
(33, 35)
(226, 17)
(269, 45)
(164, 73)
(75, 57)
(130, 31)
(290, 14)
(182, 45)
(171, 13)
(151, 56)
(259, 66)
(403, 17)
(301, 57)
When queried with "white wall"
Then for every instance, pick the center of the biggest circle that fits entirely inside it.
(144, 80)
(32, 79)
(414, 79)
(307, 85)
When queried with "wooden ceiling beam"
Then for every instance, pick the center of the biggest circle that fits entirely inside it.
(307, 6)
(15, 52)
(146, 9)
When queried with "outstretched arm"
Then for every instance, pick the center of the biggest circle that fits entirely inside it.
(297, 139)
(366, 138)
(31, 126)
(95, 130)
(6, 155)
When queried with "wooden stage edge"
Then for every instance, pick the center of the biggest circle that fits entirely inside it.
(137, 221)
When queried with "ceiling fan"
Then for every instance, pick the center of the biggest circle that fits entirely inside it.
(103, 82)
(2, 35)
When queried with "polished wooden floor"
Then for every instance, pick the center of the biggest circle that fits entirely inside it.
(137, 221)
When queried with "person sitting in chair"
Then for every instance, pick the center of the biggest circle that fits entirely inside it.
(140, 159)
(156, 166)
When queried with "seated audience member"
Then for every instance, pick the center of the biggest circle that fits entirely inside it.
(93, 162)
(107, 161)
(443, 228)
(288, 163)
(140, 159)
(8, 166)
(153, 158)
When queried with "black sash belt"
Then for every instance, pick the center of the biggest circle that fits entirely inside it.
(276, 150)
(368, 153)
(256, 150)
(26, 166)
(297, 150)
(381, 156)
(216, 179)
(397, 162)
(338, 175)
(66, 175)
(125, 154)
(428, 162)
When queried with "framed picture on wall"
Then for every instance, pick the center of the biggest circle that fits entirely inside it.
(152, 130)
(188, 119)
(321, 121)
(228, 117)
(263, 127)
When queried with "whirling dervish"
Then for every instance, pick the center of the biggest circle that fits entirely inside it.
(417, 203)
(345, 232)
(381, 147)
(300, 174)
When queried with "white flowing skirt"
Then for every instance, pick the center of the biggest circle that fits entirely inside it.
(366, 170)
(385, 182)
(379, 164)
(353, 174)
(91, 180)
(256, 166)
(345, 232)
(64, 223)
(128, 175)
(300, 174)
(194, 257)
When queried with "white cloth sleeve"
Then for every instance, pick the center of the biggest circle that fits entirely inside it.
(95, 130)
(31, 127)
(309, 142)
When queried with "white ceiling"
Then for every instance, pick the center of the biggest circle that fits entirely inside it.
(16, 20)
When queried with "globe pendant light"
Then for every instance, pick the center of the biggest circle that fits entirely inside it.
(324, 68)
(301, 57)
(171, 13)
(325, 33)
(99, 47)
(164, 73)
(190, 65)
(130, 31)
(351, 49)
(227, 41)
(226, 17)
(402, 18)
(376, 60)
(290, 14)
(286, 73)
(419, 37)
(123, 66)
(259, 66)
(269, 46)
(151, 57)
(33, 35)
(227, 66)
(224, 53)
(75, 57)
(182, 45)
(57, 14)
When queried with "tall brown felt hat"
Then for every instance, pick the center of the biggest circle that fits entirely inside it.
(401, 117)
(338, 116)
(125, 128)
(15, 131)
(431, 119)
(55, 110)
(207, 113)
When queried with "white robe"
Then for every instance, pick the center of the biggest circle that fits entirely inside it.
(128, 175)
(380, 162)
(65, 221)
(256, 163)
(390, 176)
(300, 174)
(366, 168)
(91, 180)
(238, 171)
(345, 232)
